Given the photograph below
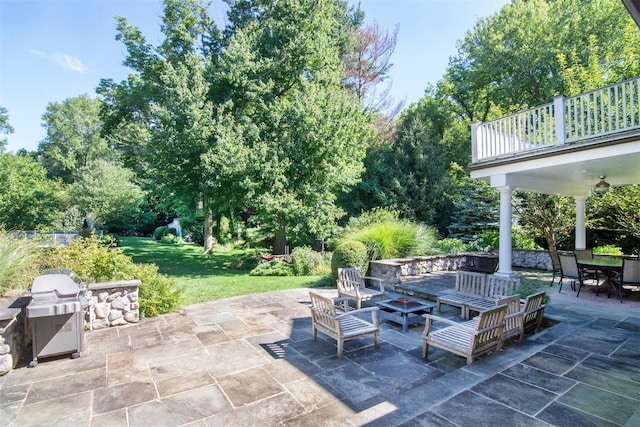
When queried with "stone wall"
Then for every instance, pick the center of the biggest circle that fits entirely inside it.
(14, 334)
(393, 271)
(529, 258)
(114, 303)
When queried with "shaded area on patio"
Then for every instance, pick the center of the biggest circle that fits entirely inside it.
(250, 359)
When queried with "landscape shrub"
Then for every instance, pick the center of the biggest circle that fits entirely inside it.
(349, 253)
(157, 293)
(451, 246)
(171, 239)
(18, 262)
(94, 262)
(395, 239)
(272, 268)
(607, 250)
(307, 262)
(169, 231)
(159, 232)
(490, 240)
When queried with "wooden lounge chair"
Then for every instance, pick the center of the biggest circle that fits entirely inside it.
(341, 326)
(464, 339)
(522, 316)
(351, 284)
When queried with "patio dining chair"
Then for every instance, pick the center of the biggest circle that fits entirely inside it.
(630, 274)
(555, 265)
(587, 272)
(569, 270)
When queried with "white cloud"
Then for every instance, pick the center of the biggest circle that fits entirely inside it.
(62, 60)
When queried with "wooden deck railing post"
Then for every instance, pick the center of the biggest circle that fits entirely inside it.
(558, 110)
(476, 139)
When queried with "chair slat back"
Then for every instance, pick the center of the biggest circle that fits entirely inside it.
(513, 306)
(349, 279)
(533, 302)
(470, 283)
(569, 265)
(583, 253)
(501, 286)
(491, 319)
(555, 261)
(631, 270)
(323, 311)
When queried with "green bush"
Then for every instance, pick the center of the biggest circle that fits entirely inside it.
(159, 232)
(157, 293)
(349, 253)
(169, 231)
(490, 240)
(394, 239)
(451, 246)
(171, 239)
(18, 262)
(608, 250)
(272, 268)
(307, 262)
(89, 259)
(94, 262)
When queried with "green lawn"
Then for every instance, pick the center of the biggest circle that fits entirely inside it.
(206, 277)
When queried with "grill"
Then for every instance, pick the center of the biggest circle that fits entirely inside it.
(56, 314)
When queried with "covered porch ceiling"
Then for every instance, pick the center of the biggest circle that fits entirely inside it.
(567, 170)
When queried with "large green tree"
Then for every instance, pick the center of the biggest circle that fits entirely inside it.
(73, 137)
(532, 50)
(548, 216)
(105, 193)
(253, 118)
(29, 199)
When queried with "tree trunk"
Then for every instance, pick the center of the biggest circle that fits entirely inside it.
(209, 240)
(279, 243)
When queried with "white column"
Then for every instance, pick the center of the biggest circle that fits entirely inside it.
(581, 228)
(505, 231)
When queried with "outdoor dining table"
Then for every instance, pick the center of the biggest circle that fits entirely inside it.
(609, 266)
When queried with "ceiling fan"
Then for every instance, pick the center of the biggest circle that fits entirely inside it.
(602, 186)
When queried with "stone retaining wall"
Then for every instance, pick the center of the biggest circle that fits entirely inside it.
(393, 271)
(114, 303)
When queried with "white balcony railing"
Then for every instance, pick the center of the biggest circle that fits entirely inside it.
(601, 112)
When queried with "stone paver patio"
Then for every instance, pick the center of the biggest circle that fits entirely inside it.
(250, 360)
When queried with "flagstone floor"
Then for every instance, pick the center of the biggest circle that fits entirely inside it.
(250, 360)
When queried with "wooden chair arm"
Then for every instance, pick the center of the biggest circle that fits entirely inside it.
(449, 322)
(360, 311)
(377, 279)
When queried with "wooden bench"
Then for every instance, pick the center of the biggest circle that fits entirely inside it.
(470, 287)
(477, 291)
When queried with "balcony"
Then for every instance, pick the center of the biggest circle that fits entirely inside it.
(565, 146)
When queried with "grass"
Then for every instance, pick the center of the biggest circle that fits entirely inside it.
(207, 277)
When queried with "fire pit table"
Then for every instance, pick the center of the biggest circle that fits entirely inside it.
(405, 311)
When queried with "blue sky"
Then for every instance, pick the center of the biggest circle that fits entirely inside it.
(51, 50)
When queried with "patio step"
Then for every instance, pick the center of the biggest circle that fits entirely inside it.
(429, 286)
